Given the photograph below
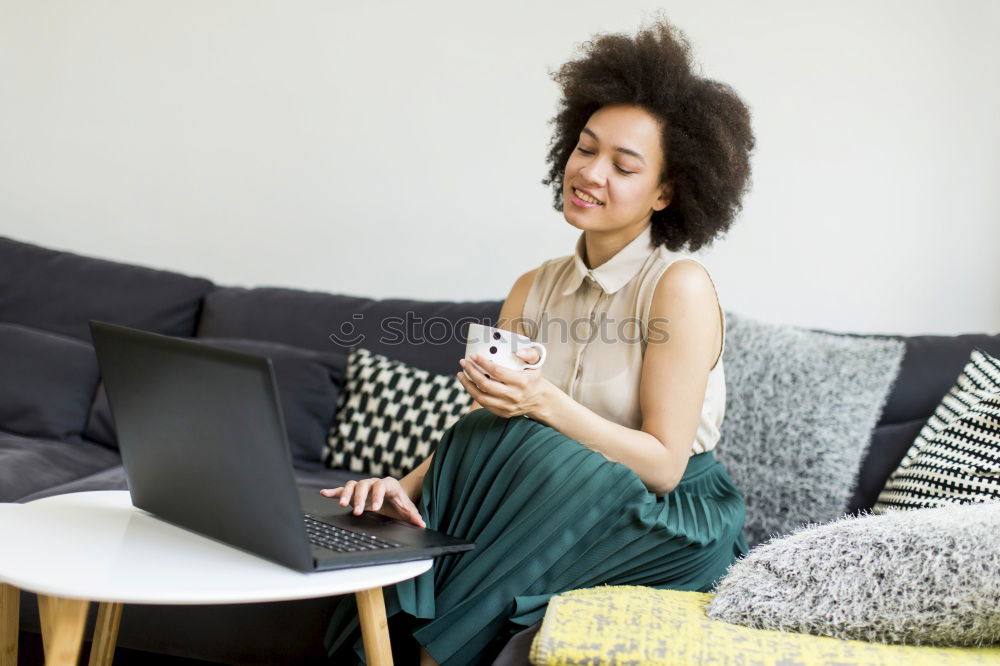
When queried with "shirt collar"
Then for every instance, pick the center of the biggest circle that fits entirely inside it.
(616, 272)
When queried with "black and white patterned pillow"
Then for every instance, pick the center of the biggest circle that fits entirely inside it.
(391, 415)
(956, 457)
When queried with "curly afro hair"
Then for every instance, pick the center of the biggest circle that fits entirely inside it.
(707, 136)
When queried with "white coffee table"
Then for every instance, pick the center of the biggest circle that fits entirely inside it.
(95, 546)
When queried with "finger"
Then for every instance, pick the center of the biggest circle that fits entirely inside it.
(471, 387)
(407, 508)
(472, 368)
(404, 506)
(360, 494)
(378, 492)
(331, 492)
(345, 497)
(477, 394)
(415, 514)
(529, 356)
(495, 384)
(501, 375)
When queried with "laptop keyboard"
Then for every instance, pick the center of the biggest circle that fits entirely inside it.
(338, 539)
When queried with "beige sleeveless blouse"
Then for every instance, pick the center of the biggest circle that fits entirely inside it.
(594, 326)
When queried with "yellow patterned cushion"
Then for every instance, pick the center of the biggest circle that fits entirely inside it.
(624, 624)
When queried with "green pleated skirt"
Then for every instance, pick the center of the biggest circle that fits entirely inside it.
(547, 515)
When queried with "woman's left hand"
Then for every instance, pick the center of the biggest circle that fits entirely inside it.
(506, 393)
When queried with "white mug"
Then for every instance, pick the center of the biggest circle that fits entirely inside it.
(499, 346)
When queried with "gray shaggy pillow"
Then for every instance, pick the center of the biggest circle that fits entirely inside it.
(800, 410)
(920, 577)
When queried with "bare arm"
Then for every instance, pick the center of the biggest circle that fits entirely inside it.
(672, 387)
(510, 320)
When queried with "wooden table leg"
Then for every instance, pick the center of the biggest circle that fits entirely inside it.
(46, 618)
(374, 626)
(102, 650)
(67, 619)
(10, 609)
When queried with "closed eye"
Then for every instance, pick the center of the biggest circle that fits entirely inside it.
(590, 152)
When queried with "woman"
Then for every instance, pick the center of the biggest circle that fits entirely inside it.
(611, 479)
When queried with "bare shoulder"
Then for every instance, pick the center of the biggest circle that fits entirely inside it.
(685, 297)
(511, 314)
(686, 279)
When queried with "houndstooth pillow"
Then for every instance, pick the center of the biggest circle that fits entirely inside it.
(390, 415)
(956, 457)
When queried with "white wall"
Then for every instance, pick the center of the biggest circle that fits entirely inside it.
(394, 148)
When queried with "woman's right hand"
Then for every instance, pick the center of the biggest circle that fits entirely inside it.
(385, 496)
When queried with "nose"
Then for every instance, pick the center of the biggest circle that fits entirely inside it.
(593, 172)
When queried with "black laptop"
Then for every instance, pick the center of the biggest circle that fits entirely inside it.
(203, 443)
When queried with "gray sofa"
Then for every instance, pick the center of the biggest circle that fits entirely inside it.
(55, 437)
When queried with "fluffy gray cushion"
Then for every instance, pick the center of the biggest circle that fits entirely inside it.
(800, 410)
(922, 577)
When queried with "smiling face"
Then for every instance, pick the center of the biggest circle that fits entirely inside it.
(612, 179)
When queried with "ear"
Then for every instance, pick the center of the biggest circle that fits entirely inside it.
(665, 197)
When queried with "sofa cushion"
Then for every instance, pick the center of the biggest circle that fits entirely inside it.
(800, 410)
(928, 371)
(46, 383)
(60, 291)
(391, 415)
(100, 426)
(888, 445)
(956, 456)
(642, 625)
(28, 465)
(426, 334)
(924, 577)
(309, 383)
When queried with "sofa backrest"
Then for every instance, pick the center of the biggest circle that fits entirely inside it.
(426, 334)
(60, 291)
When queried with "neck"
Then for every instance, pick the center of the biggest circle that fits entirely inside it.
(599, 246)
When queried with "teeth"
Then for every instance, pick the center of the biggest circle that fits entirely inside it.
(586, 197)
